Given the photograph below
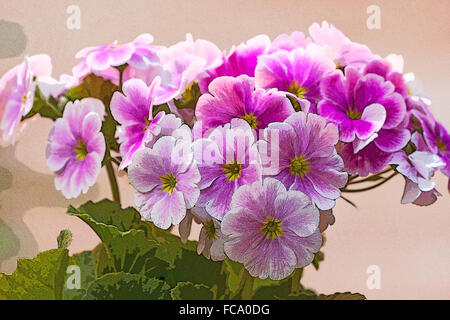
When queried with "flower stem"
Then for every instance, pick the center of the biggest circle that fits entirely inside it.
(117, 162)
(121, 69)
(244, 289)
(371, 187)
(373, 177)
(295, 281)
(112, 180)
(348, 201)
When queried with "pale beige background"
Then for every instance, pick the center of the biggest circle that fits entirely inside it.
(411, 245)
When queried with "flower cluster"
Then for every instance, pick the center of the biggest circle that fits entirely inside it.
(255, 144)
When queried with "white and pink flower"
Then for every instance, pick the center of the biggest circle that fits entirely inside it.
(76, 147)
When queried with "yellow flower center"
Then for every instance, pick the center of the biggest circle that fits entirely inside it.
(441, 145)
(299, 166)
(169, 182)
(298, 90)
(80, 150)
(354, 114)
(210, 230)
(147, 123)
(272, 228)
(232, 170)
(116, 46)
(251, 120)
(340, 67)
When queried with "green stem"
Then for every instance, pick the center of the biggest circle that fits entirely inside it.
(244, 289)
(117, 162)
(112, 180)
(121, 69)
(295, 281)
(120, 80)
(348, 201)
(374, 177)
(371, 187)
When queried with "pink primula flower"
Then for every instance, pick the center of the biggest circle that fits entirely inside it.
(76, 147)
(17, 89)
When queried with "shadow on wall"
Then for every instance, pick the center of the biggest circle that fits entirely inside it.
(12, 38)
(22, 189)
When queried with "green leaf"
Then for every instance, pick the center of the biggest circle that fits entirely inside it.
(342, 296)
(295, 104)
(319, 256)
(40, 278)
(194, 268)
(125, 286)
(162, 107)
(311, 295)
(174, 262)
(281, 290)
(171, 247)
(190, 291)
(45, 108)
(93, 86)
(85, 260)
(109, 213)
(123, 250)
(104, 263)
(270, 290)
(126, 251)
(262, 289)
(189, 97)
(109, 127)
(232, 269)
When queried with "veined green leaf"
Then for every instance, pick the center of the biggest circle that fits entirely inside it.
(190, 291)
(41, 278)
(125, 286)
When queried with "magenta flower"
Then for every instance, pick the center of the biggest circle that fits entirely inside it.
(237, 98)
(417, 112)
(133, 110)
(361, 105)
(76, 147)
(384, 69)
(437, 139)
(241, 60)
(165, 178)
(298, 72)
(341, 49)
(227, 159)
(138, 53)
(308, 160)
(289, 42)
(17, 92)
(418, 168)
(271, 231)
(369, 113)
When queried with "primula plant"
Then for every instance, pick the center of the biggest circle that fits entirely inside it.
(255, 144)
